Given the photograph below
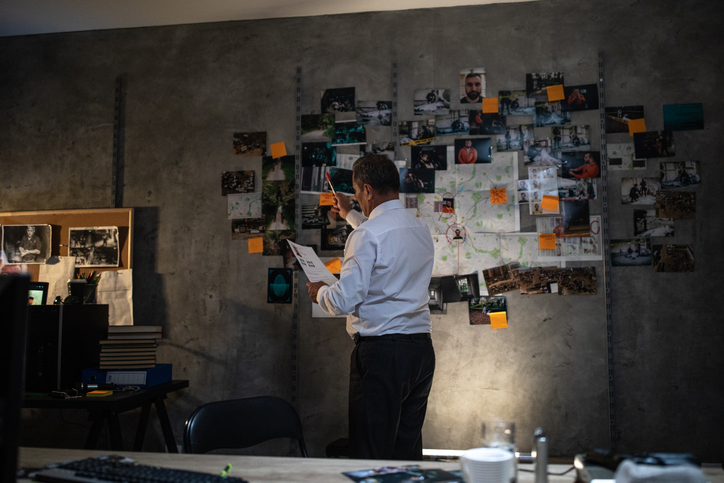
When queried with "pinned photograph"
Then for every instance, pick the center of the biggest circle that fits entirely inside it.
(631, 253)
(647, 224)
(335, 238)
(550, 113)
(341, 180)
(577, 281)
(417, 180)
(515, 103)
(277, 205)
(317, 128)
(318, 154)
(639, 191)
(481, 123)
(349, 133)
(621, 156)
(453, 123)
(575, 215)
(577, 189)
(94, 246)
(448, 206)
(681, 174)
(480, 308)
(514, 138)
(238, 182)
(581, 164)
(276, 241)
(683, 117)
(430, 157)
(502, 279)
(279, 290)
(243, 229)
(250, 143)
(417, 132)
(279, 169)
(540, 153)
(432, 101)
(468, 285)
(472, 85)
(375, 112)
(524, 186)
(569, 138)
(538, 280)
(473, 151)
(617, 118)
(654, 144)
(29, 244)
(338, 100)
(386, 148)
(673, 258)
(243, 205)
(536, 84)
(679, 205)
(313, 217)
(580, 98)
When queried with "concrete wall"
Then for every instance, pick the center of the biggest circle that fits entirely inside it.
(190, 87)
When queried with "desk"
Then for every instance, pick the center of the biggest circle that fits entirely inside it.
(107, 408)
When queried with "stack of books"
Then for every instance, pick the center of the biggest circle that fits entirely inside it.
(130, 347)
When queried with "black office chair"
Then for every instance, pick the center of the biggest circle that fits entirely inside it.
(241, 423)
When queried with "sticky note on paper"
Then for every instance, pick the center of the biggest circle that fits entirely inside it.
(490, 105)
(334, 265)
(555, 93)
(278, 150)
(498, 196)
(499, 320)
(636, 125)
(547, 241)
(550, 202)
(326, 199)
(256, 245)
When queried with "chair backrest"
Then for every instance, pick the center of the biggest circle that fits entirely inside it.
(241, 423)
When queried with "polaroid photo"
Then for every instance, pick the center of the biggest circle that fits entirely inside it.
(338, 100)
(473, 150)
(683, 117)
(621, 156)
(349, 133)
(276, 241)
(417, 132)
(430, 157)
(94, 246)
(27, 244)
(673, 258)
(243, 229)
(431, 102)
(654, 144)
(635, 252)
(480, 308)
(577, 281)
(577, 189)
(647, 224)
(250, 143)
(617, 118)
(678, 205)
(514, 138)
(243, 205)
(280, 284)
(238, 182)
(277, 205)
(580, 164)
(317, 128)
(318, 154)
(679, 174)
(515, 103)
(536, 84)
(472, 85)
(374, 113)
(550, 113)
(453, 123)
(639, 191)
(481, 123)
(279, 169)
(580, 98)
(417, 180)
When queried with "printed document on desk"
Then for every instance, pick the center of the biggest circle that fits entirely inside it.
(312, 265)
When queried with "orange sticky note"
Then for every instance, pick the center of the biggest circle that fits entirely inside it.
(547, 241)
(333, 265)
(278, 150)
(499, 320)
(490, 105)
(256, 245)
(555, 93)
(636, 125)
(326, 199)
(498, 196)
(550, 202)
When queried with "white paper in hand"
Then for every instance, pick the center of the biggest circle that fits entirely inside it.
(312, 265)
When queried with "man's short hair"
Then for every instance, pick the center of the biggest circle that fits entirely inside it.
(378, 171)
(473, 74)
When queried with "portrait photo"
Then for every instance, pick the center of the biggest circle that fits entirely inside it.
(29, 244)
(473, 150)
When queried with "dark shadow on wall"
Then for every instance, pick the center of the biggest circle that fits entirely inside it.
(149, 304)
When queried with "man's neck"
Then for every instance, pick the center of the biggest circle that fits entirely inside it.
(383, 199)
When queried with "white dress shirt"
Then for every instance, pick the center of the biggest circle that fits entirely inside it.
(385, 277)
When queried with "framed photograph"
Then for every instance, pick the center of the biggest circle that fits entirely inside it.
(280, 284)
(250, 143)
(94, 246)
(635, 252)
(30, 244)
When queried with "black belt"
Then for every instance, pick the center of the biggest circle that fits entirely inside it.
(359, 338)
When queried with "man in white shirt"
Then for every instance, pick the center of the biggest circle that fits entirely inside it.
(383, 290)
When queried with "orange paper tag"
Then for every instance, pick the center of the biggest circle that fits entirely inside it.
(333, 265)
(550, 202)
(636, 125)
(498, 196)
(490, 105)
(278, 150)
(499, 320)
(547, 241)
(256, 245)
(326, 199)
(555, 93)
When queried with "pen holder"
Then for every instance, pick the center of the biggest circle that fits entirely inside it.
(89, 295)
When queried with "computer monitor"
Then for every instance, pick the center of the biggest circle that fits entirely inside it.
(38, 293)
(13, 320)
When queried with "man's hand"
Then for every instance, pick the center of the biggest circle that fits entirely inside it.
(342, 204)
(313, 288)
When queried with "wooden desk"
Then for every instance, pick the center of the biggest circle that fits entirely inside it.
(106, 410)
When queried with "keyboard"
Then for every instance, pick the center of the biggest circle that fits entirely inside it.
(119, 469)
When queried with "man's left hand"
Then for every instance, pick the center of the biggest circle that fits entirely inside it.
(313, 288)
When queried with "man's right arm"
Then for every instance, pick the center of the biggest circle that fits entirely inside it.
(343, 206)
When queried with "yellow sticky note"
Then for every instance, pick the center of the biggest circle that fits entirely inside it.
(490, 105)
(498, 196)
(326, 199)
(547, 241)
(555, 93)
(636, 125)
(550, 202)
(256, 245)
(333, 265)
(278, 150)
(499, 320)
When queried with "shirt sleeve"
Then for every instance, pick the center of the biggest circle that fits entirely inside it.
(355, 218)
(343, 297)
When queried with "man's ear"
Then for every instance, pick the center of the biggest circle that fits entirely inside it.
(368, 190)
